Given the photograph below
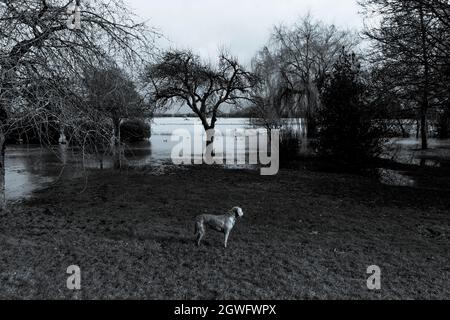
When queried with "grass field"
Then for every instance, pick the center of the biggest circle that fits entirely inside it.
(305, 235)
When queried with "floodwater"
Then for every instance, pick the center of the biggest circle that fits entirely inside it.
(29, 167)
(408, 151)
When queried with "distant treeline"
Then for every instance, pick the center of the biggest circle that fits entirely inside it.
(410, 114)
(134, 130)
(237, 114)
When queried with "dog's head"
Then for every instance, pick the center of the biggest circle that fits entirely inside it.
(238, 213)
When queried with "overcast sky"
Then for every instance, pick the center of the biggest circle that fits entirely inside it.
(242, 26)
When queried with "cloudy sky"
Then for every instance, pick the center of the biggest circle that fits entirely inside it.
(242, 26)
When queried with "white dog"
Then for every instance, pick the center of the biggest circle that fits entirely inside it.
(224, 223)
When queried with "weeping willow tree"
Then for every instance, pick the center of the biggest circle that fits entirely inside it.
(293, 66)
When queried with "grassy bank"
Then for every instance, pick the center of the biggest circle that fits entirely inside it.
(304, 235)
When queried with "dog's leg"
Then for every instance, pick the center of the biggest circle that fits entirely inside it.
(199, 238)
(200, 234)
(227, 234)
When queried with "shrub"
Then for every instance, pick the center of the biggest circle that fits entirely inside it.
(28, 132)
(348, 127)
(134, 130)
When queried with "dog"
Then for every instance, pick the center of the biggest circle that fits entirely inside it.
(223, 223)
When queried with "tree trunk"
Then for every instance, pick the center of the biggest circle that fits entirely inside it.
(402, 128)
(117, 145)
(417, 129)
(210, 135)
(424, 126)
(3, 121)
(2, 172)
(443, 124)
(426, 87)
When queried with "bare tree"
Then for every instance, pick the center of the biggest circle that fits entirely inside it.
(182, 77)
(111, 92)
(440, 10)
(410, 44)
(36, 43)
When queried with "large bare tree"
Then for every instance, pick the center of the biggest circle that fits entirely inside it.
(36, 43)
(114, 94)
(411, 43)
(182, 77)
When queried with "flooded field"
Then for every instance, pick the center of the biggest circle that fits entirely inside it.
(30, 167)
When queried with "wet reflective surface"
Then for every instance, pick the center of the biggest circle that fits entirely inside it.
(31, 167)
(408, 151)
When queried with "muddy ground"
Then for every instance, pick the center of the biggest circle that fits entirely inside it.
(305, 235)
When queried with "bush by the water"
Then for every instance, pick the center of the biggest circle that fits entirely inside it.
(28, 132)
(350, 131)
(135, 130)
(48, 133)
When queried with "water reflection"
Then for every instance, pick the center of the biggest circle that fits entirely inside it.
(408, 151)
(31, 167)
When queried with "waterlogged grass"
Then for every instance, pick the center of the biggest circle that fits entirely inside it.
(305, 235)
